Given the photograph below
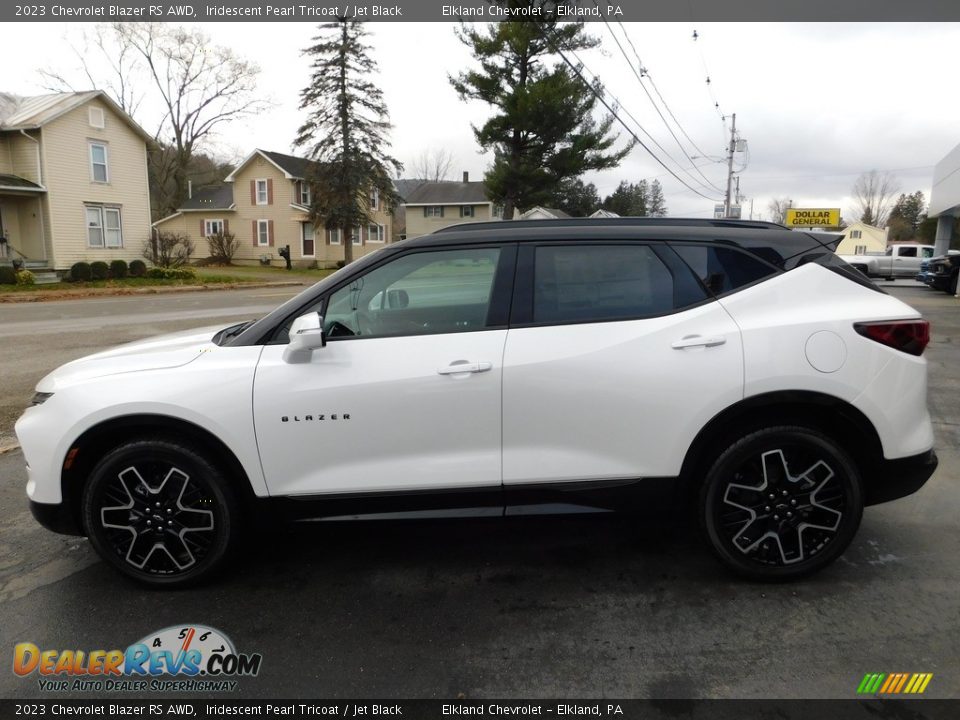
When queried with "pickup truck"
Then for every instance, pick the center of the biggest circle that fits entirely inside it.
(944, 271)
(899, 261)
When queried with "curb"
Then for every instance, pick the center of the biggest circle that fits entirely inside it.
(40, 296)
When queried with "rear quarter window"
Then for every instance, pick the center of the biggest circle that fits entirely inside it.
(723, 270)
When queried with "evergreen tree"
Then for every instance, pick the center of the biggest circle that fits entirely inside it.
(656, 205)
(576, 198)
(542, 130)
(345, 132)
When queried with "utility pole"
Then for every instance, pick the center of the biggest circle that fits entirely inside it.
(733, 147)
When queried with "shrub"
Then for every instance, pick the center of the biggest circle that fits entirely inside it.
(137, 268)
(80, 272)
(341, 263)
(168, 250)
(8, 276)
(99, 270)
(118, 269)
(25, 277)
(223, 246)
(180, 273)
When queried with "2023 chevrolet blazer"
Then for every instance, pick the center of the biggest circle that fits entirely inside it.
(740, 368)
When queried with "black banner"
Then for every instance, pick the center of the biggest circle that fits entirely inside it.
(873, 709)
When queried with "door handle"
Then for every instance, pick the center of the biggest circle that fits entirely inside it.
(697, 341)
(464, 366)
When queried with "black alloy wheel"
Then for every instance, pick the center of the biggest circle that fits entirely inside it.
(781, 503)
(159, 512)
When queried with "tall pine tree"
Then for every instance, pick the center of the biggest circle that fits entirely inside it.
(542, 130)
(345, 132)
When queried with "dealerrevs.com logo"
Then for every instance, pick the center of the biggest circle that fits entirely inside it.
(186, 658)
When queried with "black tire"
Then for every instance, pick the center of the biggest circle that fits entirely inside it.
(147, 484)
(807, 523)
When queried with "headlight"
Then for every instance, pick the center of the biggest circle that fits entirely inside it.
(40, 398)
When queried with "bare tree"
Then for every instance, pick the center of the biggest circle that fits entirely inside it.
(778, 207)
(433, 166)
(874, 194)
(198, 86)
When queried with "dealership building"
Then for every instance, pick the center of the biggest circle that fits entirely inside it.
(945, 198)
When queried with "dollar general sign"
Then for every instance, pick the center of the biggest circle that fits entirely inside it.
(813, 217)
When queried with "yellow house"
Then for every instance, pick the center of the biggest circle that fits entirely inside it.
(435, 205)
(73, 180)
(265, 203)
(860, 239)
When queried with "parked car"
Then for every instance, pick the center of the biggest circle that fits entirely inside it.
(944, 271)
(738, 369)
(925, 275)
(899, 261)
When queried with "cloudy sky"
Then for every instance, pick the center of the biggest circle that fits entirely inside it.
(817, 103)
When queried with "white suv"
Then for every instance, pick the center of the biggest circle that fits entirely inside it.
(738, 367)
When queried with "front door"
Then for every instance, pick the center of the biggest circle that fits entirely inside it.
(307, 247)
(406, 393)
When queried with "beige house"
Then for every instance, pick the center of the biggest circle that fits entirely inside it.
(860, 239)
(265, 202)
(435, 205)
(542, 213)
(73, 180)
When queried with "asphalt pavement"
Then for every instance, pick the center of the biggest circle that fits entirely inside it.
(536, 608)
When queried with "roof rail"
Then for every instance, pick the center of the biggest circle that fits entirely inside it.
(614, 222)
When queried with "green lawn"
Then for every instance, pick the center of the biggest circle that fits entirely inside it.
(263, 273)
(205, 278)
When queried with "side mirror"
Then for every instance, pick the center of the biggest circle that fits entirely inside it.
(306, 335)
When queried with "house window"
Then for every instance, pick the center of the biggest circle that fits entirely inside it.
(308, 249)
(860, 250)
(466, 211)
(96, 117)
(262, 194)
(856, 234)
(375, 233)
(433, 211)
(104, 227)
(263, 232)
(374, 199)
(498, 210)
(98, 163)
(303, 193)
(212, 227)
(334, 236)
(355, 237)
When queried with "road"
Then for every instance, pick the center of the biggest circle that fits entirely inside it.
(536, 608)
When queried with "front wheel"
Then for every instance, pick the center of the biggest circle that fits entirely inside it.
(159, 512)
(781, 503)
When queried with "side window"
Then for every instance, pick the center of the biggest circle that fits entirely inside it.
(908, 252)
(927, 252)
(722, 270)
(593, 283)
(422, 293)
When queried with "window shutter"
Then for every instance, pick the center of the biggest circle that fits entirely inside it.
(226, 226)
(253, 192)
(270, 195)
(203, 228)
(441, 211)
(269, 225)
(425, 212)
(255, 233)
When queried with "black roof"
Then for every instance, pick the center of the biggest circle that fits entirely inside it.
(218, 197)
(448, 193)
(298, 167)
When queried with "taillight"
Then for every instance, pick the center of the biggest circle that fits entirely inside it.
(909, 336)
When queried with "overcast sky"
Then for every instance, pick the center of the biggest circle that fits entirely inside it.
(817, 103)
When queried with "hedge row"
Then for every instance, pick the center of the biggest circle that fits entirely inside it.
(99, 270)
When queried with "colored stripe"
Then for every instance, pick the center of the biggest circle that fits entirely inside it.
(891, 679)
(911, 684)
(900, 684)
(878, 678)
(926, 681)
(862, 688)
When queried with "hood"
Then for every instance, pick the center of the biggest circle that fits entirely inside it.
(156, 353)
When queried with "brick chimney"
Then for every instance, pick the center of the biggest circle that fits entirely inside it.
(466, 176)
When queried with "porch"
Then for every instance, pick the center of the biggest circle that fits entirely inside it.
(21, 223)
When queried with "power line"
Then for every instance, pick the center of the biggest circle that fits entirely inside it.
(639, 74)
(603, 101)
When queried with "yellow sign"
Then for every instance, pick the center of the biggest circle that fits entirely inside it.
(813, 217)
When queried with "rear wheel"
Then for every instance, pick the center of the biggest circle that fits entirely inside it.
(781, 503)
(159, 512)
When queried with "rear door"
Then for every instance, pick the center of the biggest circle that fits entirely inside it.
(616, 357)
